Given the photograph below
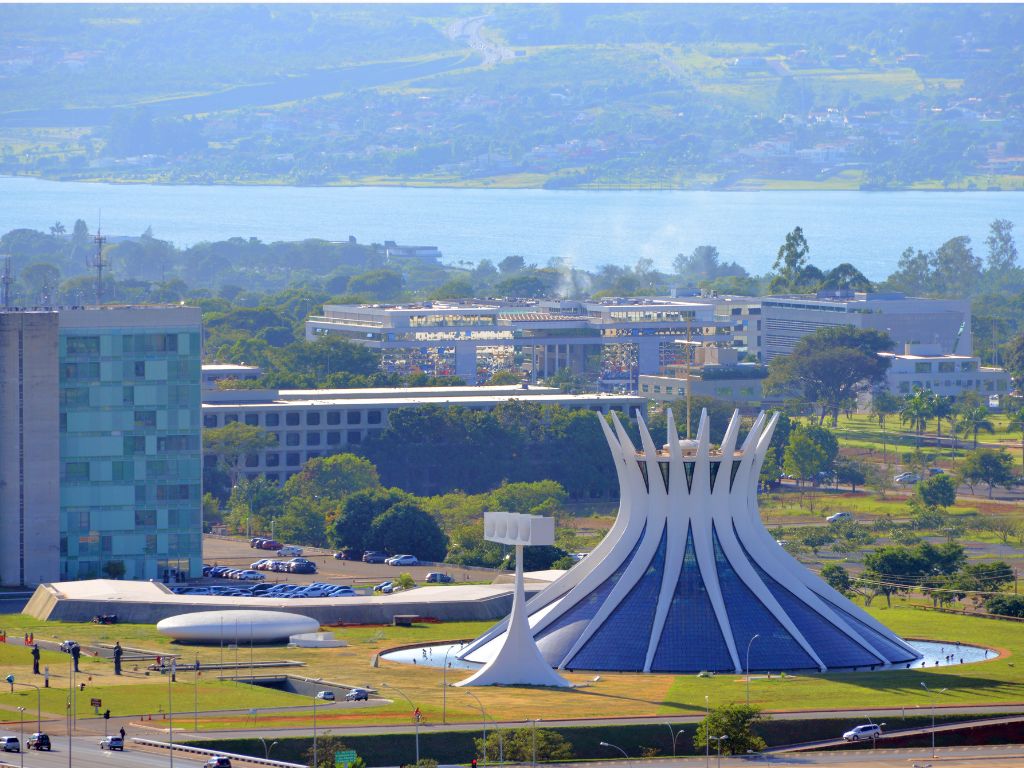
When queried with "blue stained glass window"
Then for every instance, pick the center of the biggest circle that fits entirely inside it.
(715, 467)
(831, 644)
(776, 648)
(732, 474)
(643, 471)
(688, 469)
(691, 639)
(621, 641)
(894, 653)
(663, 466)
(557, 639)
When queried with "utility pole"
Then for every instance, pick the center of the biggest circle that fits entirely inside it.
(5, 283)
(98, 262)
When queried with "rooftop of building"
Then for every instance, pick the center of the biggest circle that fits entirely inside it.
(469, 400)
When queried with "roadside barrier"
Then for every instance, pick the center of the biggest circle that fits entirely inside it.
(215, 753)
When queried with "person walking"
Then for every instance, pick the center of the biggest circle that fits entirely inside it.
(35, 659)
(122, 732)
(76, 652)
(118, 652)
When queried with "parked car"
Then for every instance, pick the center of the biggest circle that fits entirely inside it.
(218, 762)
(68, 645)
(342, 591)
(112, 743)
(384, 585)
(38, 741)
(301, 565)
(270, 544)
(346, 554)
(839, 516)
(279, 566)
(289, 550)
(259, 564)
(402, 560)
(10, 744)
(374, 557)
(325, 695)
(357, 694)
(869, 731)
(438, 578)
(251, 576)
(907, 478)
(255, 543)
(933, 471)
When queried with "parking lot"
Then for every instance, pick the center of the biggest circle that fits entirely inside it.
(236, 553)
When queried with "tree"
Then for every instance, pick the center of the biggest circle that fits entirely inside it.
(917, 410)
(326, 747)
(987, 465)
(836, 577)
(233, 442)
(517, 746)
(510, 265)
(1002, 251)
(333, 477)
(254, 504)
(1013, 358)
(304, 520)
(1016, 423)
(790, 262)
(351, 526)
(59, 229)
(974, 418)
(851, 473)
(1006, 605)
(382, 284)
(938, 491)
(736, 721)
(832, 365)
(956, 269)
(407, 528)
(892, 570)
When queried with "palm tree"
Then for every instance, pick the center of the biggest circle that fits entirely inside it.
(975, 418)
(942, 408)
(916, 410)
(883, 404)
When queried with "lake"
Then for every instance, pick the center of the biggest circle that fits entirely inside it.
(589, 228)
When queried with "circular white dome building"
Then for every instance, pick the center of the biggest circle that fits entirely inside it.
(236, 626)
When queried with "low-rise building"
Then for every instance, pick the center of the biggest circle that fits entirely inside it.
(716, 373)
(308, 424)
(925, 366)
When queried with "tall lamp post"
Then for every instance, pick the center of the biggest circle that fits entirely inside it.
(720, 739)
(402, 693)
(675, 737)
(748, 666)
(21, 733)
(931, 694)
(170, 719)
(444, 686)
(707, 733)
(39, 721)
(483, 716)
(606, 744)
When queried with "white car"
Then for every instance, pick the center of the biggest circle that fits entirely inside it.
(870, 731)
(839, 516)
(907, 478)
(289, 551)
(260, 565)
(251, 576)
(402, 560)
(325, 695)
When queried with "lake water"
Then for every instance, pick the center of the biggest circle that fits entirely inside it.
(868, 229)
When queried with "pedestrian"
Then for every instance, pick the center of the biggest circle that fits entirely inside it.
(46, 677)
(122, 732)
(174, 670)
(76, 652)
(35, 659)
(118, 653)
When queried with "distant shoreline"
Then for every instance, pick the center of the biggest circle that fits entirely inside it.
(1010, 184)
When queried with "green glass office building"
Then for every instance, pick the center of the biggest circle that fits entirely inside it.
(106, 462)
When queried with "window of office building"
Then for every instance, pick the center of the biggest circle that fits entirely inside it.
(145, 419)
(333, 418)
(272, 420)
(83, 345)
(230, 418)
(209, 420)
(374, 417)
(252, 460)
(312, 419)
(273, 459)
(354, 437)
(922, 367)
(291, 419)
(334, 438)
(252, 419)
(291, 438)
(293, 459)
(313, 438)
(354, 417)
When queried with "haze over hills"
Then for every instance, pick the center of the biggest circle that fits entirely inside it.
(692, 96)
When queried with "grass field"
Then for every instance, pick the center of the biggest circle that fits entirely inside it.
(997, 681)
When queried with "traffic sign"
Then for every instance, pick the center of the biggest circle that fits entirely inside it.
(96, 702)
(344, 758)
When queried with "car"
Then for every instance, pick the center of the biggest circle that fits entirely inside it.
(907, 478)
(218, 570)
(384, 585)
(255, 542)
(270, 544)
(38, 741)
(357, 694)
(869, 731)
(325, 695)
(438, 578)
(289, 551)
(402, 560)
(251, 576)
(346, 554)
(374, 557)
(342, 591)
(259, 564)
(68, 645)
(10, 744)
(278, 566)
(301, 565)
(933, 471)
(112, 743)
(838, 516)
(218, 762)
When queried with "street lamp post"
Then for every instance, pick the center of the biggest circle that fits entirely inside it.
(483, 716)
(266, 749)
(39, 719)
(534, 725)
(444, 686)
(748, 666)
(170, 719)
(707, 733)
(675, 737)
(720, 739)
(195, 696)
(71, 703)
(21, 733)
(606, 744)
(415, 718)
(931, 695)
(315, 762)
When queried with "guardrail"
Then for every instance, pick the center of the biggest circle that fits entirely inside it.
(215, 753)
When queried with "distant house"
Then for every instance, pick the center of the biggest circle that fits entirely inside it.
(424, 252)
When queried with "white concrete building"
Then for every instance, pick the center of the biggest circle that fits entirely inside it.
(925, 366)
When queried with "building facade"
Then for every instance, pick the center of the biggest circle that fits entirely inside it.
(109, 399)
(308, 424)
(944, 322)
(924, 366)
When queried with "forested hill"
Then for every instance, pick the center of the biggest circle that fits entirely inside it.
(713, 96)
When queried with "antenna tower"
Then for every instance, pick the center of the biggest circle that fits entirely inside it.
(99, 263)
(5, 283)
